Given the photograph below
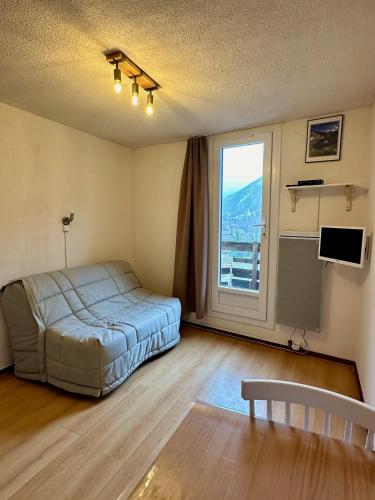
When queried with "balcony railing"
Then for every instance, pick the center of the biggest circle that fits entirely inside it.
(239, 265)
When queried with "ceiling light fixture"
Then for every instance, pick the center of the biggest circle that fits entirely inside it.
(117, 79)
(140, 78)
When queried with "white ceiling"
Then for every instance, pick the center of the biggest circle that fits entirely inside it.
(222, 64)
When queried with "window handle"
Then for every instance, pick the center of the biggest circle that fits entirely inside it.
(262, 226)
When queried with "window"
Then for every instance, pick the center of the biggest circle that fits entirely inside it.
(241, 216)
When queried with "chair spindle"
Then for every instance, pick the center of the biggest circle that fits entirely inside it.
(348, 431)
(269, 409)
(287, 413)
(370, 441)
(327, 423)
(306, 425)
(252, 408)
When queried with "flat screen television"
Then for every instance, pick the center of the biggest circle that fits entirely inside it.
(343, 245)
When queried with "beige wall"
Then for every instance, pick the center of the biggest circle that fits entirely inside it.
(156, 182)
(366, 339)
(46, 171)
(157, 172)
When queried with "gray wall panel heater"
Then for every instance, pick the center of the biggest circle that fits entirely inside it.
(299, 281)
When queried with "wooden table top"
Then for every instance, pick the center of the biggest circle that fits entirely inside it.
(219, 454)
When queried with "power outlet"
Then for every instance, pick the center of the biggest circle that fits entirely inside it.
(294, 347)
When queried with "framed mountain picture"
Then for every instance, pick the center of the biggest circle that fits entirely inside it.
(324, 139)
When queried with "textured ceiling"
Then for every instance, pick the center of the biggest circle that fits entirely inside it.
(223, 64)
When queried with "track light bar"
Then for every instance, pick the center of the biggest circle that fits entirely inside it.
(130, 69)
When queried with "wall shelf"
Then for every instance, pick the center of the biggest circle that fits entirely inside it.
(293, 190)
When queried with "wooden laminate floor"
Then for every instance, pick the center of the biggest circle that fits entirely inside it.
(54, 445)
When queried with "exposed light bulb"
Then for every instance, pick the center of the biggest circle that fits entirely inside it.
(150, 104)
(118, 87)
(117, 79)
(135, 93)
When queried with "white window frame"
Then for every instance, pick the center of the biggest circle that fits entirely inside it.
(268, 320)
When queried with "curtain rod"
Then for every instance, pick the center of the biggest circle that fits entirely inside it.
(224, 132)
(255, 126)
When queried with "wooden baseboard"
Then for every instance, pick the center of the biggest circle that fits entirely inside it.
(283, 347)
(7, 369)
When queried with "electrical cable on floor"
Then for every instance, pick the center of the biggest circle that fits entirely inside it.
(291, 335)
(298, 348)
(65, 251)
(306, 347)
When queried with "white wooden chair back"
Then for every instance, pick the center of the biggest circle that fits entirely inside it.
(353, 411)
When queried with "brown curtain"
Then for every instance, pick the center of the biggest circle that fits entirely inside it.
(191, 260)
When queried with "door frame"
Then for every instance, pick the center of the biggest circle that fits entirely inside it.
(213, 317)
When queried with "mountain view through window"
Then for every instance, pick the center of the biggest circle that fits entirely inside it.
(241, 211)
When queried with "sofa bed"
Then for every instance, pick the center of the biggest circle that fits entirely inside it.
(86, 329)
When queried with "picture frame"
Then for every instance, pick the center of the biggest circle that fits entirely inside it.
(324, 139)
